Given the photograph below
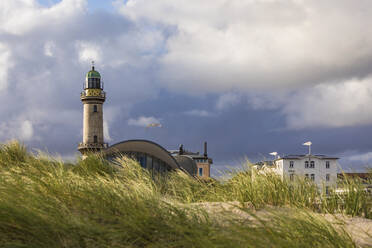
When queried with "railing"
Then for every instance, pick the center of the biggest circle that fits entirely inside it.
(92, 145)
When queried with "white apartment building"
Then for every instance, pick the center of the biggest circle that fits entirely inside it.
(321, 169)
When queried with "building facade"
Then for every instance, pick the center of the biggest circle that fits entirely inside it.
(320, 169)
(203, 162)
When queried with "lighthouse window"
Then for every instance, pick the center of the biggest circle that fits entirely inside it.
(95, 139)
(94, 108)
(94, 83)
(90, 82)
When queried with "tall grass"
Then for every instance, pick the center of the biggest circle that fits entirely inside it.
(93, 203)
(269, 189)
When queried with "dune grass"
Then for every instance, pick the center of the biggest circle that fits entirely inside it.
(269, 189)
(48, 203)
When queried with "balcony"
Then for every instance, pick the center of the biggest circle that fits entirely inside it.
(85, 95)
(92, 146)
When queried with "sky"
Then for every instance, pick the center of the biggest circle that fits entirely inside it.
(249, 76)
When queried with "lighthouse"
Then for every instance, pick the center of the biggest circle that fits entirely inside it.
(92, 98)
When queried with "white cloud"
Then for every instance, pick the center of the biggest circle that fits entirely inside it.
(89, 52)
(16, 129)
(222, 44)
(331, 105)
(5, 65)
(144, 121)
(199, 112)
(365, 157)
(342, 104)
(106, 132)
(26, 130)
(49, 48)
(22, 16)
(227, 100)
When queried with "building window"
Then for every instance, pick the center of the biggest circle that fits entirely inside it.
(327, 177)
(306, 164)
(291, 177)
(327, 164)
(312, 177)
(306, 176)
(200, 172)
(291, 163)
(327, 190)
(95, 138)
(149, 163)
(312, 164)
(142, 161)
(95, 108)
(156, 165)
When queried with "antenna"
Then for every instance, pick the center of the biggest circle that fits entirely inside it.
(205, 149)
(92, 65)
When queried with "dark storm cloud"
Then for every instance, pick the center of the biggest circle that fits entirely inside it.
(249, 77)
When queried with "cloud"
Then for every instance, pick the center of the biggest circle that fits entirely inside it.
(365, 157)
(16, 129)
(200, 113)
(49, 48)
(247, 45)
(5, 65)
(331, 105)
(21, 16)
(326, 105)
(291, 61)
(88, 52)
(106, 132)
(45, 53)
(227, 100)
(26, 130)
(143, 121)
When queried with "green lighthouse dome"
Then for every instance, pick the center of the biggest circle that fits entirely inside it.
(93, 74)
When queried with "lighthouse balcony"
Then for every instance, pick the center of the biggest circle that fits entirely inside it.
(94, 146)
(93, 94)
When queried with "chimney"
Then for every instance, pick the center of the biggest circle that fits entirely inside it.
(180, 150)
(205, 150)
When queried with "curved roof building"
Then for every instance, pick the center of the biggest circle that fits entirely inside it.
(149, 154)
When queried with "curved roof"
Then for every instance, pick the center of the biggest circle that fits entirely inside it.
(187, 163)
(93, 74)
(143, 146)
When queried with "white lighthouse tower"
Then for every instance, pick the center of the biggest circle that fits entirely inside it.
(92, 98)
